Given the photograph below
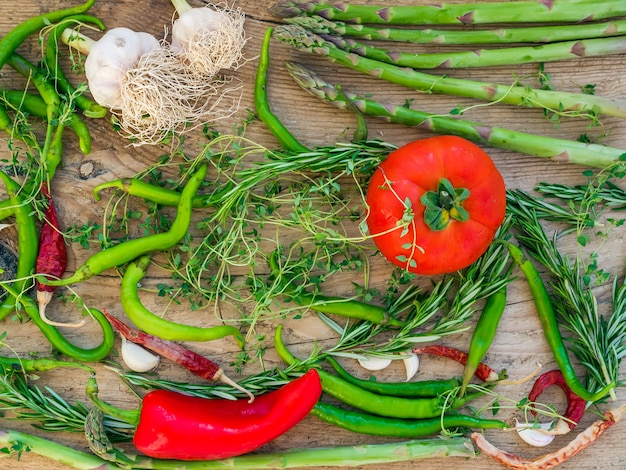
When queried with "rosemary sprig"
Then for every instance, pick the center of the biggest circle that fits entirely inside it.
(46, 408)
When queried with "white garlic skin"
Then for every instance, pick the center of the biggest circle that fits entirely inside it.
(193, 22)
(374, 363)
(110, 58)
(137, 358)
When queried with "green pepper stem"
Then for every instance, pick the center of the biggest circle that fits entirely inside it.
(128, 416)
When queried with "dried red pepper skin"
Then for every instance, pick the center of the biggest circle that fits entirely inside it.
(576, 406)
(175, 426)
(52, 257)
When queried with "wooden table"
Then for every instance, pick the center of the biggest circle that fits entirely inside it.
(519, 345)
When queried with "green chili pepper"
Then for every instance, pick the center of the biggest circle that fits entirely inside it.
(40, 364)
(483, 335)
(395, 427)
(261, 102)
(14, 38)
(28, 244)
(422, 388)
(158, 195)
(157, 326)
(389, 406)
(33, 104)
(337, 305)
(130, 250)
(550, 327)
(90, 107)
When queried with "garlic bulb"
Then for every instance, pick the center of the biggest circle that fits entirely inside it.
(110, 58)
(138, 358)
(210, 39)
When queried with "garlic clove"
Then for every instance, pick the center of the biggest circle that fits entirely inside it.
(138, 358)
(536, 435)
(411, 364)
(374, 362)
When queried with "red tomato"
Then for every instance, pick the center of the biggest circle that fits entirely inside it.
(435, 205)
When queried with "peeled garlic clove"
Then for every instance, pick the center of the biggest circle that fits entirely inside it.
(411, 364)
(536, 436)
(138, 358)
(374, 363)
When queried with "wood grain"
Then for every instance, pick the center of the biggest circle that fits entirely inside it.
(519, 345)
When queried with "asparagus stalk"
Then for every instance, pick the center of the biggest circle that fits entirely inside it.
(559, 150)
(486, 57)
(530, 34)
(516, 95)
(348, 456)
(522, 11)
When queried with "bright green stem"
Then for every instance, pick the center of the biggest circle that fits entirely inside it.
(559, 150)
(127, 416)
(181, 6)
(487, 57)
(530, 11)
(517, 34)
(444, 204)
(346, 456)
(516, 95)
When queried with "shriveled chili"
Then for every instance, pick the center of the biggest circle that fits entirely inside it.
(576, 406)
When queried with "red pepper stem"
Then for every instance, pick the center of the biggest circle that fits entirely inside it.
(128, 416)
(193, 362)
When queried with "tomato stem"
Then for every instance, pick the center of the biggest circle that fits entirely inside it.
(444, 204)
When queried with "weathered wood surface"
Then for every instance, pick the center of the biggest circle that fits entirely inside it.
(519, 345)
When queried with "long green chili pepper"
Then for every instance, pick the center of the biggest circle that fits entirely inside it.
(158, 195)
(395, 427)
(152, 324)
(132, 249)
(261, 102)
(483, 335)
(14, 38)
(39, 364)
(338, 305)
(32, 103)
(389, 406)
(422, 388)
(58, 341)
(551, 328)
(27, 248)
(90, 107)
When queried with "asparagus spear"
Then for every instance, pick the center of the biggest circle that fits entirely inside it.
(523, 11)
(486, 57)
(559, 150)
(531, 34)
(517, 95)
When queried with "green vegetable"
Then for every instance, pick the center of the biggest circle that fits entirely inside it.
(129, 250)
(152, 324)
(295, 458)
(516, 95)
(551, 330)
(521, 11)
(395, 427)
(560, 150)
(504, 35)
(422, 388)
(557, 51)
(484, 333)
(261, 102)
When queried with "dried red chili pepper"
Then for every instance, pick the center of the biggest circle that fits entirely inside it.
(575, 405)
(190, 360)
(52, 257)
(171, 425)
(483, 371)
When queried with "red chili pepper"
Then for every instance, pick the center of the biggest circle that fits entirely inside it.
(175, 426)
(576, 406)
(190, 360)
(483, 371)
(52, 257)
